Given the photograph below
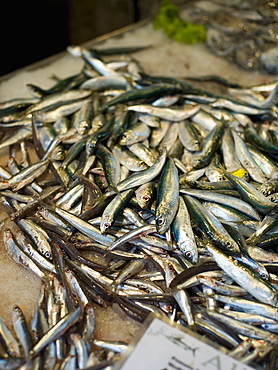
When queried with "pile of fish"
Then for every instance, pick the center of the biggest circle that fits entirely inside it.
(144, 191)
(243, 32)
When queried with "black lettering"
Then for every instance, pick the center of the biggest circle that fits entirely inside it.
(214, 361)
(182, 363)
(174, 367)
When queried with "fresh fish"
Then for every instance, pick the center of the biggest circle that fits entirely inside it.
(55, 332)
(209, 146)
(169, 114)
(111, 165)
(227, 200)
(251, 194)
(148, 194)
(246, 278)
(22, 332)
(18, 255)
(183, 232)
(85, 227)
(128, 159)
(167, 201)
(114, 208)
(246, 159)
(145, 176)
(209, 225)
(136, 133)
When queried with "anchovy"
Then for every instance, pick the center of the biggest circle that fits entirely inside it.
(166, 113)
(143, 152)
(251, 194)
(244, 328)
(209, 224)
(114, 208)
(102, 83)
(55, 332)
(183, 232)
(128, 237)
(145, 176)
(22, 332)
(246, 159)
(145, 194)
(111, 165)
(167, 201)
(57, 98)
(233, 202)
(246, 278)
(18, 255)
(147, 92)
(138, 132)
(85, 227)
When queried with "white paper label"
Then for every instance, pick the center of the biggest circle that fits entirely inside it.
(164, 347)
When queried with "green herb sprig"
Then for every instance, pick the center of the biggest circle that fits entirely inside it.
(168, 19)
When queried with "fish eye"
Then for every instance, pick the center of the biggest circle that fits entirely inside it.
(171, 268)
(188, 254)
(106, 225)
(47, 255)
(160, 221)
(83, 124)
(196, 162)
(228, 244)
(146, 198)
(263, 275)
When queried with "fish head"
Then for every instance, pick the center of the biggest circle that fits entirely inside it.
(47, 254)
(162, 224)
(7, 234)
(196, 162)
(189, 249)
(101, 181)
(82, 127)
(229, 244)
(17, 313)
(91, 145)
(144, 198)
(262, 271)
(142, 166)
(127, 138)
(58, 154)
(75, 51)
(195, 145)
(105, 223)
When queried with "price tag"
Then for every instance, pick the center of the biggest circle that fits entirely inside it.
(167, 346)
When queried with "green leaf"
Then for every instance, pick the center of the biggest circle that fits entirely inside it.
(168, 19)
